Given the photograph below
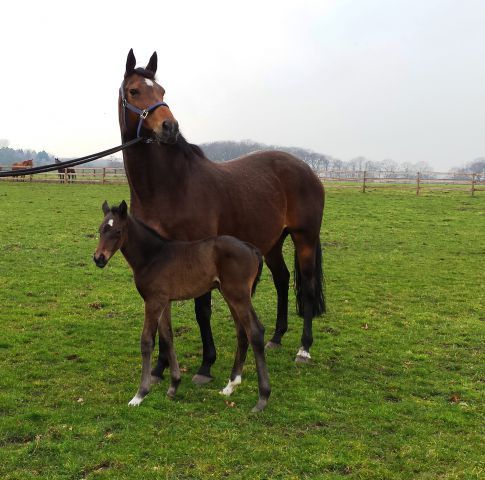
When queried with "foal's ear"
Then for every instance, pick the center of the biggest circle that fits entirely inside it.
(152, 64)
(105, 208)
(130, 63)
(123, 208)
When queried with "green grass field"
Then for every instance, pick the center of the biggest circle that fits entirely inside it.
(395, 389)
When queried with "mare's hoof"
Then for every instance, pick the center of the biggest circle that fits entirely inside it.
(272, 345)
(199, 379)
(259, 407)
(303, 356)
(154, 379)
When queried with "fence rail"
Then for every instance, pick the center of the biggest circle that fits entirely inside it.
(419, 181)
(363, 180)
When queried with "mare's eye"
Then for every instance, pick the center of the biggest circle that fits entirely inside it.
(133, 92)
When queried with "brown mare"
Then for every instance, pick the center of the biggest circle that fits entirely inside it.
(260, 198)
(70, 172)
(172, 270)
(21, 166)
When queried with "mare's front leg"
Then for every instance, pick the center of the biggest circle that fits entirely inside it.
(153, 311)
(203, 316)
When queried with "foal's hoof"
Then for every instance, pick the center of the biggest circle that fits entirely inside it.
(199, 379)
(154, 379)
(272, 345)
(259, 407)
(171, 393)
(135, 401)
(303, 356)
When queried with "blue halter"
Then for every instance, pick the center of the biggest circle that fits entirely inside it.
(141, 113)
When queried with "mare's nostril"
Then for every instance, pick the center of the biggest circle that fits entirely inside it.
(167, 126)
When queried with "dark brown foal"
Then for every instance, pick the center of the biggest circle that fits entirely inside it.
(172, 270)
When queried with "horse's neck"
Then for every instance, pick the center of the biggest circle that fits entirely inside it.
(140, 244)
(154, 169)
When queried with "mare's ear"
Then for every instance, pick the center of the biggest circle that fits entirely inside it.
(152, 64)
(130, 63)
(123, 209)
(105, 208)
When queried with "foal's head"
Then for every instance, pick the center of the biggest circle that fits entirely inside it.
(112, 232)
(141, 91)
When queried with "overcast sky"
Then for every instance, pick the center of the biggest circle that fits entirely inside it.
(385, 79)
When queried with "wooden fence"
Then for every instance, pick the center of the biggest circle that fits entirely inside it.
(419, 181)
(363, 180)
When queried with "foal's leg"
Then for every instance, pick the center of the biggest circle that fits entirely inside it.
(203, 316)
(281, 278)
(162, 361)
(256, 338)
(166, 340)
(153, 312)
(240, 358)
(248, 319)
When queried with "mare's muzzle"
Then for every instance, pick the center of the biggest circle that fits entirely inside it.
(168, 132)
(100, 261)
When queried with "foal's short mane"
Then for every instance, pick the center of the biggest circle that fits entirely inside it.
(116, 211)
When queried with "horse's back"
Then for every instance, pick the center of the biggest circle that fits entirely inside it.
(278, 186)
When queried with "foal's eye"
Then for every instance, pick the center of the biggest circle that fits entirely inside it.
(133, 91)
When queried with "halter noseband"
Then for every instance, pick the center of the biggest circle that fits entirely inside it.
(141, 113)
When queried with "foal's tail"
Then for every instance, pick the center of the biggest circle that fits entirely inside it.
(260, 266)
(317, 296)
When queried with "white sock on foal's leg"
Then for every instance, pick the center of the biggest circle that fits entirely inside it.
(230, 387)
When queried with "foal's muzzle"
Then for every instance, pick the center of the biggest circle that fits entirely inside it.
(100, 261)
(168, 132)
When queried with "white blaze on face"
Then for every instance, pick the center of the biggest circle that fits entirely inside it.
(149, 82)
(110, 222)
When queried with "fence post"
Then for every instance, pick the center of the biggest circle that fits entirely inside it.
(363, 184)
(473, 184)
(418, 178)
(65, 175)
(104, 175)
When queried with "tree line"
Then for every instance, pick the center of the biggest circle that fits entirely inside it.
(227, 150)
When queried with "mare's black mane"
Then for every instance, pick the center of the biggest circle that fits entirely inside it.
(189, 148)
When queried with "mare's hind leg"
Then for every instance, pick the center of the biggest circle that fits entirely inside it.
(239, 360)
(153, 311)
(281, 278)
(203, 315)
(307, 286)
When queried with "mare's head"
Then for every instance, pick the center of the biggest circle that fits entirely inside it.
(142, 110)
(112, 232)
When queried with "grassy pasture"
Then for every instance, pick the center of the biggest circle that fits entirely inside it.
(395, 389)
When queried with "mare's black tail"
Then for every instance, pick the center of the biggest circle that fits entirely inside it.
(318, 295)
